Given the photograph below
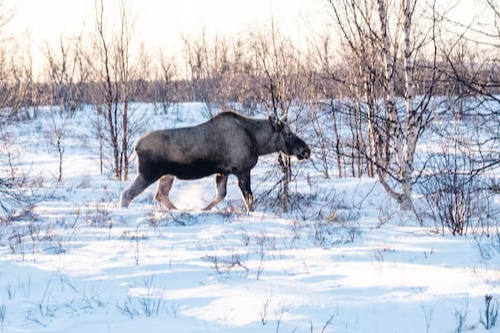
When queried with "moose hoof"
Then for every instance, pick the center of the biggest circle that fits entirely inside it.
(167, 205)
(124, 203)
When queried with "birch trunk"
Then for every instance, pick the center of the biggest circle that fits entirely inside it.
(412, 128)
(123, 58)
(392, 122)
(393, 127)
(404, 137)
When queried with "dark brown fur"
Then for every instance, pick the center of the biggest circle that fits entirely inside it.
(228, 143)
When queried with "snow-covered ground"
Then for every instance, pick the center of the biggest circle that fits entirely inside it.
(343, 260)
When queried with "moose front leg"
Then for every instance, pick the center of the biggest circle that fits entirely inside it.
(164, 186)
(221, 185)
(246, 191)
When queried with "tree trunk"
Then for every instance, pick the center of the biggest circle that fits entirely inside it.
(412, 128)
(125, 135)
(286, 167)
(338, 148)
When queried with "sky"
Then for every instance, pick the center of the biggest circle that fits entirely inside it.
(158, 18)
(160, 23)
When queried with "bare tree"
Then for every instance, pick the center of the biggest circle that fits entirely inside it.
(125, 77)
(334, 84)
(278, 75)
(164, 85)
(64, 94)
(17, 93)
(196, 54)
(210, 68)
(393, 130)
(61, 75)
(113, 75)
(103, 75)
(473, 70)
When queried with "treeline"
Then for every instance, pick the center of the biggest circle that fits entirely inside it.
(222, 76)
(260, 68)
(367, 89)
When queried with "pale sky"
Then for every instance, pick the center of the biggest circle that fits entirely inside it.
(160, 23)
(164, 17)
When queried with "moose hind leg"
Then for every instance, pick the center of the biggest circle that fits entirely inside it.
(164, 186)
(137, 187)
(221, 185)
(246, 191)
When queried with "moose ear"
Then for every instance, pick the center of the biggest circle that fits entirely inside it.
(275, 123)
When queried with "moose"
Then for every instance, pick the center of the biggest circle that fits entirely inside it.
(228, 143)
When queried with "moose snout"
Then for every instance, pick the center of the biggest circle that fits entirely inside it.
(307, 153)
(304, 153)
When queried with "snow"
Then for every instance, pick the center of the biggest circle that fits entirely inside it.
(344, 260)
